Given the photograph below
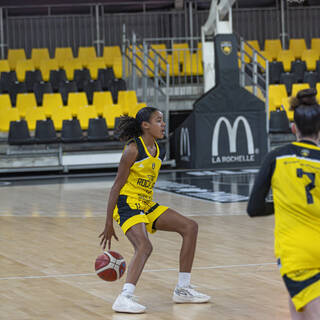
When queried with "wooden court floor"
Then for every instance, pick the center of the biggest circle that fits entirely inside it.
(49, 241)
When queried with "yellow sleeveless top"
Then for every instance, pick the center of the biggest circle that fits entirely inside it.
(144, 172)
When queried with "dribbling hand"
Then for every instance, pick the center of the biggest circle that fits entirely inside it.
(106, 236)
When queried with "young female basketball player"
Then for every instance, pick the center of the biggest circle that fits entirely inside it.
(293, 172)
(131, 205)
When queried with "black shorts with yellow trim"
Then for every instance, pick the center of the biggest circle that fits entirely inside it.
(303, 286)
(131, 211)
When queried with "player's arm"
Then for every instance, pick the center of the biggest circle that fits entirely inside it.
(257, 205)
(129, 156)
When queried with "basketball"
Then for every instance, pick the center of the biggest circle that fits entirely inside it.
(110, 266)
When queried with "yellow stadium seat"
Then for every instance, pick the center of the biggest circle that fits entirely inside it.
(84, 114)
(60, 114)
(46, 66)
(276, 93)
(32, 115)
(4, 66)
(21, 68)
(7, 115)
(297, 46)
(38, 54)
(287, 108)
(255, 45)
(110, 113)
(161, 50)
(193, 65)
(5, 102)
(117, 67)
(25, 101)
(14, 55)
(51, 102)
(296, 87)
(101, 100)
(318, 91)
(94, 66)
(110, 53)
(128, 102)
(310, 57)
(77, 100)
(86, 54)
(267, 55)
(179, 53)
(315, 45)
(174, 66)
(273, 47)
(286, 57)
(62, 54)
(71, 65)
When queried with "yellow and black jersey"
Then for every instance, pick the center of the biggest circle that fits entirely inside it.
(293, 172)
(144, 172)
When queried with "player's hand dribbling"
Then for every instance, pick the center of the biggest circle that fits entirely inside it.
(106, 236)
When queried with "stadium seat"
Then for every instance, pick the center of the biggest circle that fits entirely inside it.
(7, 113)
(38, 54)
(81, 77)
(31, 78)
(21, 67)
(14, 55)
(106, 76)
(91, 87)
(298, 68)
(98, 130)
(85, 55)
(62, 54)
(40, 89)
(128, 101)
(45, 132)
(76, 101)
(110, 113)
(94, 66)
(179, 51)
(287, 108)
(117, 67)
(297, 46)
(318, 91)
(84, 114)
(310, 57)
(70, 66)
(115, 86)
(288, 79)
(311, 77)
(32, 115)
(19, 133)
(286, 57)
(60, 114)
(193, 65)
(279, 122)
(57, 77)
(276, 94)
(51, 102)
(46, 66)
(110, 53)
(273, 47)
(71, 131)
(297, 87)
(6, 79)
(262, 62)
(65, 88)
(14, 89)
(4, 66)
(275, 71)
(315, 45)
(161, 50)
(24, 102)
(101, 100)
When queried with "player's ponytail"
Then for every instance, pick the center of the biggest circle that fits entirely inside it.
(306, 112)
(130, 127)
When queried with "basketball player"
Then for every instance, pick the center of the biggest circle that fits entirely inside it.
(293, 172)
(131, 205)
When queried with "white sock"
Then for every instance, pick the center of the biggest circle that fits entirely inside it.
(184, 279)
(128, 288)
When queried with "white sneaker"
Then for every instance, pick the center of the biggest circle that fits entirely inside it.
(188, 295)
(125, 303)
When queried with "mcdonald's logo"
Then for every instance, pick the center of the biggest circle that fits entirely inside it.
(185, 144)
(232, 135)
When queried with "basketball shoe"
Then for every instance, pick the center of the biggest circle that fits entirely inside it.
(189, 295)
(125, 303)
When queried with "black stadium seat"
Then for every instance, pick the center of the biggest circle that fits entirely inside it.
(298, 68)
(41, 88)
(288, 79)
(65, 88)
(105, 76)
(56, 77)
(91, 87)
(115, 86)
(19, 133)
(98, 130)
(14, 89)
(32, 77)
(45, 132)
(6, 79)
(71, 131)
(81, 77)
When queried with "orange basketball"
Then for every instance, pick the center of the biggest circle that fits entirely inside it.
(110, 266)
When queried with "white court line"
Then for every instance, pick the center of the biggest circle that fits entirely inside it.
(151, 270)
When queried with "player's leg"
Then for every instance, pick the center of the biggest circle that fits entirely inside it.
(295, 315)
(312, 310)
(138, 236)
(173, 221)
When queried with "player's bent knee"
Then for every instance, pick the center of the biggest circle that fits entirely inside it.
(145, 248)
(191, 228)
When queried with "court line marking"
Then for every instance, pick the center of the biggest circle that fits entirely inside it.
(147, 271)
